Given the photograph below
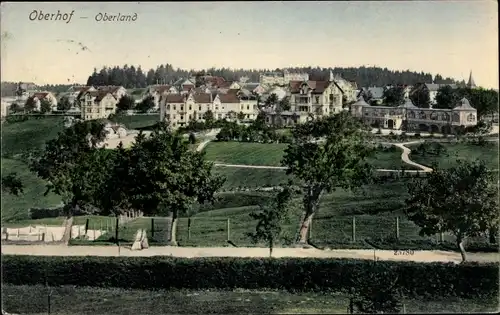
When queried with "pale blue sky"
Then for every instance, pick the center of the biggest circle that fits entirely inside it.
(447, 37)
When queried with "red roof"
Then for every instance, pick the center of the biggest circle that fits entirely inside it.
(41, 95)
(215, 81)
(203, 98)
(229, 98)
(161, 88)
(175, 98)
(316, 86)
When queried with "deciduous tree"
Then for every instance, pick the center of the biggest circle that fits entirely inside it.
(168, 176)
(30, 105)
(322, 166)
(45, 106)
(394, 96)
(420, 97)
(146, 104)
(125, 103)
(271, 218)
(73, 166)
(446, 98)
(462, 200)
(11, 183)
(64, 103)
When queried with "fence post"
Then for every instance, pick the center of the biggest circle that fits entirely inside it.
(116, 229)
(107, 226)
(86, 226)
(100, 226)
(353, 229)
(310, 229)
(441, 237)
(43, 237)
(228, 229)
(397, 228)
(94, 231)
(152, 227)
(189, 229)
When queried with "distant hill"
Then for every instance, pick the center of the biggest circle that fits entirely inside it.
(135, 77)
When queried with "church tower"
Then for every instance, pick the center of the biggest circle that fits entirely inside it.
(471, 84)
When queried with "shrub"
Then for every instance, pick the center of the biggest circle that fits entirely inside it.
(293, 274)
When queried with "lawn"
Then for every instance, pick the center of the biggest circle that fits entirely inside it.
(462, 151)
(272, 154)
(16, 207)
(84, 300)
(137, 121)
(245, 153)
(18, 137)
(251, 177)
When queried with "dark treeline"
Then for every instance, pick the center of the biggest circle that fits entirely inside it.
(135, 77)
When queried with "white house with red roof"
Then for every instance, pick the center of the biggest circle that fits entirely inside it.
(38, 97)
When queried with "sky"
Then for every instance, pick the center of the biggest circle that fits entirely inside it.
(446, 37)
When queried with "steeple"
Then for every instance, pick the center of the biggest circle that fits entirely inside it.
(471, 84)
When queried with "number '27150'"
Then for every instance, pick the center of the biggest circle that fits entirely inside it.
(404, 252)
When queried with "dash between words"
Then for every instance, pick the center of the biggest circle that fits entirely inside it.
(39, 15)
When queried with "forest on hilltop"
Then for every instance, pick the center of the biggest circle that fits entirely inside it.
(132, 77)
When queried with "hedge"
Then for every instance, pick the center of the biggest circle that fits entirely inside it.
(292, 274)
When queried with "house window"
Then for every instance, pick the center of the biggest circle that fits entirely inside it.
(248, 107)
(199, 107)
(189, 107)
(317, 99)
(174, 106)
(168, 107)
(216, 107)
(182, 108)
(182, 117)
(242, 107)
(471, 118)
(173, 117)
(190, 117)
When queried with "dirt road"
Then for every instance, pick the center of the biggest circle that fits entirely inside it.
(190, 252)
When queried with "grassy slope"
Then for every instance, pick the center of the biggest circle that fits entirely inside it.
(487, 153)
(73, 300)
(20, 136)
(16, 207)
(272, 154)
(248, 177)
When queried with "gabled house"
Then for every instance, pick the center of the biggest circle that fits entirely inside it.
(348, 87)
(38, 97)
(74, 92)
(117, 91)
(97, 104)
(316, 97)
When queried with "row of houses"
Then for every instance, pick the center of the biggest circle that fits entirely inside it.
(307, 98)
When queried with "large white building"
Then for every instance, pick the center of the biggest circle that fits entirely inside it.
(281, 78)
(308, 99)
(179, 109)
(415, 118)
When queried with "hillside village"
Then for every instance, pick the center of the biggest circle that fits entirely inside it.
(281, 96)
